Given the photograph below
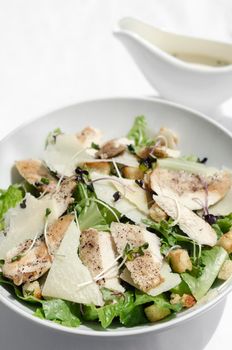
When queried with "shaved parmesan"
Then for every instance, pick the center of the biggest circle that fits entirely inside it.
(224, 207)
(126, 159)
(105, 189)
(65, 154)
(133, 193)
(170, 280)
(67, 273)
(26, 223)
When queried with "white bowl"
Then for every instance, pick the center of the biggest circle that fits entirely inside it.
(199, 135)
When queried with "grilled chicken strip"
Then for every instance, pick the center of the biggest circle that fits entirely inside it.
(30, 266)
(189, 222)
(144, 269)
(36, 174)
(190, 189)
(27, 263)
(97, 252)
(63, 196)
(56, 233)
(111, 149)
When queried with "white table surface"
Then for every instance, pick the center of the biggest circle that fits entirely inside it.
(57, 52)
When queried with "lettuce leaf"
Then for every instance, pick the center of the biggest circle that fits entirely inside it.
(181, 289)
(91, 213)
(8, 199)
(17, 291)
(212, 260)
(91, 216)
(223, 225)
(128, 308)
(138, 132)
(51, 138)
(60, 311)
(169, 235)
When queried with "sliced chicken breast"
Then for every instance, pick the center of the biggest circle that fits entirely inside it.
(190, 223)
(190, 189)
(30, 266)
(27, 263)
(144, 269)
(111, 149)
(36, 173)
(63, 196)
(56, 233)
(97, 251)
(170, 280)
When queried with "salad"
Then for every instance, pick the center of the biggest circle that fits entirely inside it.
(126, 231)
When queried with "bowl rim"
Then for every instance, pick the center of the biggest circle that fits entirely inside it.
(162, 326)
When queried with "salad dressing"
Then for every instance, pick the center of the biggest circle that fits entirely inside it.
(201, 60)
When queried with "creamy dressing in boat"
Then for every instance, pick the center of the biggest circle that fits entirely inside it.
(201, 60)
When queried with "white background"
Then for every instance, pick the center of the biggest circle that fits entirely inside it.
(57, 52)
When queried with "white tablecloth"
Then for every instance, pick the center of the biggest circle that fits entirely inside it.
(57, 52)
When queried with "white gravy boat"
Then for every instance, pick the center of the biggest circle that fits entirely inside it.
(192, 71)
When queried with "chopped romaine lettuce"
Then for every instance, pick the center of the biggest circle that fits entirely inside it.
(91, 216)
(138, 132)
(212, 260)
(181, 289)
(223, 225)
(90, 212)
(18, 291)
(169, 235)
(60, 311)
(8, 199)
(129, 308)
(51, 138)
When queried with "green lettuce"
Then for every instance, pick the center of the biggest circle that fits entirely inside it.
(223, 225)
(57, 310)
(181, 288)
(128, 308)
(138, 132)
(212, 260)
(91, 216)
(169, 235)
(90, 212)
(17, 290)
(9, 199)
(51, 138)
(60, 311)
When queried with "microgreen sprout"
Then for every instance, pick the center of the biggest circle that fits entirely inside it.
(45, 180)
(95, 146)
(132, 252)
(47, 212)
